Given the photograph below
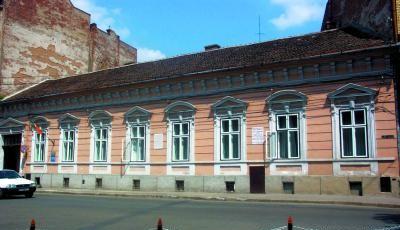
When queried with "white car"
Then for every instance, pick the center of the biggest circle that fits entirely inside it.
(11, 183)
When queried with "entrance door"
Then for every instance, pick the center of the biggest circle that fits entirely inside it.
(257, 179)
(12, 148)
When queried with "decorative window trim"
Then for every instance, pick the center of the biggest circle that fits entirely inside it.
(68, 122)
(103, 120)
(180, 112)
(228, 108)
(44, 124)
(137, 116)
(295, 105)
(342, 101)
(11, 126)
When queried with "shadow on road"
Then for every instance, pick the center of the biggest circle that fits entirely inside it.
(388, 218)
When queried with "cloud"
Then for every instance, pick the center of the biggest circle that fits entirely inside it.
(298, 12)
(102, 16)
(146, 54)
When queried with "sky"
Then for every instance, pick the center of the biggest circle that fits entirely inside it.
(166, 28)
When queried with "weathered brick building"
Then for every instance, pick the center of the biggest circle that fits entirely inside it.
(312, 114)
(51, 39)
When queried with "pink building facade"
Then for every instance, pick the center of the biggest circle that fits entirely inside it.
(314, 114)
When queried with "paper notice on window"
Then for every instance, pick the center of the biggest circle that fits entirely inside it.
(257, 135)
(158, 141)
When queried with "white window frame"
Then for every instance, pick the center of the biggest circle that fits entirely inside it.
(180, 136)
(144, 138)
(288, 129)
(34, 146)
(73, 142)
(353, 127)
(180, 112)
(101, 140)
(354, 97)
(230, 133)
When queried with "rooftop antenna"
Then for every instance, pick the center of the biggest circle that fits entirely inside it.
(259, 29)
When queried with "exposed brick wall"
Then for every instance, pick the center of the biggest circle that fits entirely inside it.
(370, 16)
(51, 39)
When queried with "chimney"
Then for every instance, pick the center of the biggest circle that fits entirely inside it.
(212, 47)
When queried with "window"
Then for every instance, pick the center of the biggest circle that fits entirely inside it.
(39, 139)
(100, 144)
(230, 132)
(138, 136)
(68, 145)
(100, 122)
(287, 124)
(353, 133)
(180, 141)
(230, 139)
(288, 136)
(39, 146)
(180, 136)
(68, 141)
(353, 128)
(138, 143)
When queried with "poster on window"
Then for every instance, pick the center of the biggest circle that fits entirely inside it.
(158, 141)
(257, 135)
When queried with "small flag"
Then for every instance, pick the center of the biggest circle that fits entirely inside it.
(37, 129)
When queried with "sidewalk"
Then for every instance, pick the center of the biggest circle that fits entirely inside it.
(377, 201)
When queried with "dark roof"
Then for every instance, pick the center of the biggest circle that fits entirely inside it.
(327, 42)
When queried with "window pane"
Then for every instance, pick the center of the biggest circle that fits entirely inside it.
(346, 118)
(141, 131)
(65, 136)
(71, 135)
(293, 121)
(104, 150)
(359, 117)
(105, 133)
(235, 125)
(281, 122)
(98, 135)
(97, 156)
(293, 142)
(177, 129)
(135, 150)
(360, 142)
(134, 131)
(235, 146)
(65, 150)
(225, 126)
(282, 144)
(176, 148)
(141, 150)
(185, 128)
(71, 151)
(225, 146)
(185, 147)
(347, 142)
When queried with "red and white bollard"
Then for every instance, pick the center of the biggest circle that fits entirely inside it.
(290, 223)
(159, 224)
(33, 224)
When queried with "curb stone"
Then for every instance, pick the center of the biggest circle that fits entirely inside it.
(221, 197)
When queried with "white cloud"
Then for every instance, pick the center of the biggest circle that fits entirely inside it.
(146, 54)
(102, 16)
(298, 12)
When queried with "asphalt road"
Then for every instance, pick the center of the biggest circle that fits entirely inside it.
(96, 212)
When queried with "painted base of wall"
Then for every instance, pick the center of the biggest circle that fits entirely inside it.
(325, 185)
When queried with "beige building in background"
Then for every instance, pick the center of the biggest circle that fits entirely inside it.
(52, 39)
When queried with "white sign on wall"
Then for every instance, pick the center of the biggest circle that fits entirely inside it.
(257, 135)
(158, 140)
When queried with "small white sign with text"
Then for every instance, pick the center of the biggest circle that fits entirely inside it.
(257, 135)
(158, 140)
